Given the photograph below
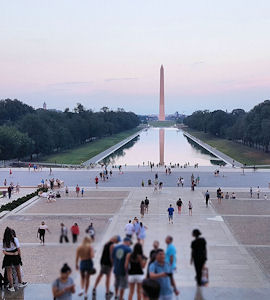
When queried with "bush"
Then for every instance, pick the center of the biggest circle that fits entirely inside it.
(12, 205)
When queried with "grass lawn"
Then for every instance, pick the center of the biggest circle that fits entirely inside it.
(82, 153)
(239, 152)
(162, 123)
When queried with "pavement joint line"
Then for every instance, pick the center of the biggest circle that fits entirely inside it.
(150, 215)
(66, 214)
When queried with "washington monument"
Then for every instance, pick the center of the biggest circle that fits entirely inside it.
(161, 96)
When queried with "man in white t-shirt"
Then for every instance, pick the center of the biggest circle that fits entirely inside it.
(129, 228)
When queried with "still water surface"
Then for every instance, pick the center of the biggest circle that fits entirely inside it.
(162, 145)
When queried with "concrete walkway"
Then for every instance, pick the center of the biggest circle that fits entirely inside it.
(233, 272)
(231, 268)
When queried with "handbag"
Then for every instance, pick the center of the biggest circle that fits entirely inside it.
(205, 276)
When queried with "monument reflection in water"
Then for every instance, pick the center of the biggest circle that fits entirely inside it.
(161, 146)
(151, 146)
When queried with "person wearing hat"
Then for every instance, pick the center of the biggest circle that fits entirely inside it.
(119, 254)
(106, 266)
(198, 254)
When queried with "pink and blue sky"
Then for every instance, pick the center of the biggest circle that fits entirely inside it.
(216, 54)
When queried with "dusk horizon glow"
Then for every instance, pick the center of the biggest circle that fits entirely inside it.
(98, 53)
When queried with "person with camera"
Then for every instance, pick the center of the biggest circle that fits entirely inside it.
(162, 272)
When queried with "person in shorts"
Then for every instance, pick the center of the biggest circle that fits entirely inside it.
(85, 254)
(135, 263)
(119, 257)
(106, 266)
(170, 214)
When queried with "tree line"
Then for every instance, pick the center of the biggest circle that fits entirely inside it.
(25, 131)
(250, 128)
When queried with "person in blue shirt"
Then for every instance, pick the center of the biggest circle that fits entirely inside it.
(170, 214)
(161, 271)
(119, 257)
(170, 256)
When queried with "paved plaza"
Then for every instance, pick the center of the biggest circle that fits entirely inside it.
(236, 232)
(133, 177)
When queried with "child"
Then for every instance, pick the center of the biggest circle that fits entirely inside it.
(190, 208)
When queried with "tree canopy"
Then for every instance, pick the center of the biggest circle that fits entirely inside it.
(251, 128)
(26, 131)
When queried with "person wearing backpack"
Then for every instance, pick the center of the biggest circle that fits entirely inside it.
(63, 287)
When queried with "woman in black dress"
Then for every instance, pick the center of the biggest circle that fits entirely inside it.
(198, 254)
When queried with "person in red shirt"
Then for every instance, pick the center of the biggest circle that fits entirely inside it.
(96, 181)
(75, 230)
(77, 190)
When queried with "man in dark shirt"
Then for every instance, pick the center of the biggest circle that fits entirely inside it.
(198, 254)
(106, 265)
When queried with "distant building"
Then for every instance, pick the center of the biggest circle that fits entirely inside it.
(44, 106)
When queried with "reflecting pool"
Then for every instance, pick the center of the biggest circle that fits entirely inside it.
(164, 146)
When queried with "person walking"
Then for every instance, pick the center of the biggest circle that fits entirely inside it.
(91, 231)
(146, 204)
(152, 255)
(106, 266)
(198, 254)
(142, 233)
(63, 234)
(170, 214)
(96, 182)
(85, 254)
(66, 190)
(142, 208)
(134, 265)
(251, 192)
(170, 255)
(136, 226)
(129, 229)
(9, 191)
(82, 192)
(207, 196)
(75, 231)
(179, 204)
(119, 257)
(189, 208)
(161, 271)
(77, 190)
(41, 232)
(258, 192)
(12, 258)
(63, 287)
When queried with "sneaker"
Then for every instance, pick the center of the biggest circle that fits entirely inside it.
(81, 293)
(22, 284)
(11, 289)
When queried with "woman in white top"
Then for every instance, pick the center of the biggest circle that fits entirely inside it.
(11, 250)
(41, 232)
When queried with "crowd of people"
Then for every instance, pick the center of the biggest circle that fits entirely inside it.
(151, 277)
